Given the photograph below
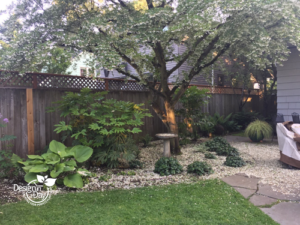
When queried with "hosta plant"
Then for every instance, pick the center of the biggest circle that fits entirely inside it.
(167, 166)
(59, 162)
(258, 130)
(200, 168)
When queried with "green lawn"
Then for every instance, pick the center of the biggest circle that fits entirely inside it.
(205, 202)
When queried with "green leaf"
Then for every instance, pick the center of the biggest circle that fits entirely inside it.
(136, 130)
(69, 168)
(56, 147)
(27, 168)
(82, 153)
(58, 169)
(51, 158)
(39, 168)
(15, 159)
(30, 177)
(71, 163)
(84, 172)
(73, 181)
(36, 162)
(35, 157)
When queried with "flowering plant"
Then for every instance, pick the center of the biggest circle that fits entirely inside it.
(8, 168)
(3, 124)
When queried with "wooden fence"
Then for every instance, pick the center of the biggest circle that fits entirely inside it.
(24, 101)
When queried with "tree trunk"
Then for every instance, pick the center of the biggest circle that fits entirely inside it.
(172, 127)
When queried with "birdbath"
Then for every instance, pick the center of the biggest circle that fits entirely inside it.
(166, 138)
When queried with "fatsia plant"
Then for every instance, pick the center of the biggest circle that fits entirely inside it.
(102, 124)
(145, 36)
(59, 162)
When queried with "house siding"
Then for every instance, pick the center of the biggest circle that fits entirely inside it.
(288, 88)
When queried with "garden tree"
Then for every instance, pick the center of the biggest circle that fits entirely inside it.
(144, 37)
(240, 71)
(57, 62)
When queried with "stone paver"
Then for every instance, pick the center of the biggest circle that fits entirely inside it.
(242, 181)
(245, 192)
(285, 213)
(267, 190)
(259, 200)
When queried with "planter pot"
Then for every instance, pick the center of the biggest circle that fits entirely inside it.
(256, 139)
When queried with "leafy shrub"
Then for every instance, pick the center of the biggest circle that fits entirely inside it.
(258, 130)
(226, 123)
(184, 141)
(115, 148)
(167, 166)
(192, 102)
(210, 156)
(129, 173)
(59, 162)
(200, 168)
(104, 125)
(8, 166)
(245, 118)
(216, 144)
(146, 140)
(136, 164)
(221, 147)
(234, 161)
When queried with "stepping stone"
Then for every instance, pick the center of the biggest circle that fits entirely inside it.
(245, 192)
(242, 181)
(261, 200)
(284, 213)
(265, 189)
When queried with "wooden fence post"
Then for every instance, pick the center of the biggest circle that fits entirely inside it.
(106, 85)
(30, 123)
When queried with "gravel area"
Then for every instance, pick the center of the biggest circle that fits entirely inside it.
(262, 161)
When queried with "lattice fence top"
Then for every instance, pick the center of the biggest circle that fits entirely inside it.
(67, 82)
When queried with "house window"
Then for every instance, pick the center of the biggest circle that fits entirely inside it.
(220, 80)
(83, 72)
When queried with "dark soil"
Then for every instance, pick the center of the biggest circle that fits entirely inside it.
(7, 193)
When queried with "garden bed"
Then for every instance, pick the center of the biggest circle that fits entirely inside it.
(262, 161)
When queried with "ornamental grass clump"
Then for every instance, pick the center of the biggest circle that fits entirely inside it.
(258, 130)
(167, 166)
(200, 168)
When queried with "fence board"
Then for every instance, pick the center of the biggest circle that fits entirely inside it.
(13, 106)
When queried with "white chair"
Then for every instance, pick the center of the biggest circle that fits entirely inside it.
(289, 153)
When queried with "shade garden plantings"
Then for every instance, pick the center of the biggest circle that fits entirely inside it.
(60, 163)
(222, 147)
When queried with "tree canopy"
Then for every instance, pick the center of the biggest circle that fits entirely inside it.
(143, 33)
